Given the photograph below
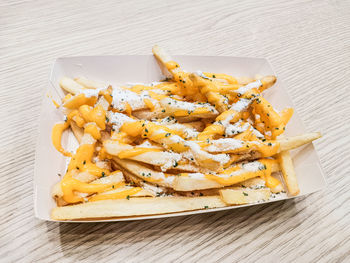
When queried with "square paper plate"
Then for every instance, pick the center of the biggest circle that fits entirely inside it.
(121, 69)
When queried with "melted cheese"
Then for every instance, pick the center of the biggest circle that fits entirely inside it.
(136, 151)
(240, 173)
(56, 136)
(170, 65)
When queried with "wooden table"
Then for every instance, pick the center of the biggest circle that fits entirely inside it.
(308, 43)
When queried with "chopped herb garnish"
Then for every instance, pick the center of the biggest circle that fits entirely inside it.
(167, 134)
(206, 207)
(77, 167)
(103, 174)
(107, 119)
(146, 130)
(200, 194)
(245, 194)
(269, 144)
(163, 110)
(276, 128)
(113, 186)
(268, 114)
(264, 140)
(84, 162)
(175, 164)
(214, 76)
(128, 197)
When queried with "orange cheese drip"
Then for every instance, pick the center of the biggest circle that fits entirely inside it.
(57, 105)
(56, 136)
(170, 65)
(79, 100)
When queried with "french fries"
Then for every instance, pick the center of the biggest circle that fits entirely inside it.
(240, 196)
(195, 141)
(135, 207)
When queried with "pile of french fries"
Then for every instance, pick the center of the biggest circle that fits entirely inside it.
(196, 140)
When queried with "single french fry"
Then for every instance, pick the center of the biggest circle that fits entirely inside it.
(158, 114)
(77, 131)
(297, 141)
(190, 183)
(244, 80)
(71, 86)
(183, 109)
(240, 196)
(155, 190)
(90, 84)
(135, 207)
(230, 145)
(161, 54)
(286, 164)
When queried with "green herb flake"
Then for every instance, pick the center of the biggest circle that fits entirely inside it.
(103, 174)
(206, 207)
(128, 197)
(245, 194)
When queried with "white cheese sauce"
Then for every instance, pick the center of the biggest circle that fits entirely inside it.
(122, 96)
(118, 119)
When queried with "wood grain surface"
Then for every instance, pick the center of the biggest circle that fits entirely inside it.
(308, 44)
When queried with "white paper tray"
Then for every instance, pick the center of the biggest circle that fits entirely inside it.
(121, 69)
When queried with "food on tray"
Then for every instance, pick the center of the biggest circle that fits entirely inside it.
(196, 140)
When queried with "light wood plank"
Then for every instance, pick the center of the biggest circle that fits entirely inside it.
(306, 42)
